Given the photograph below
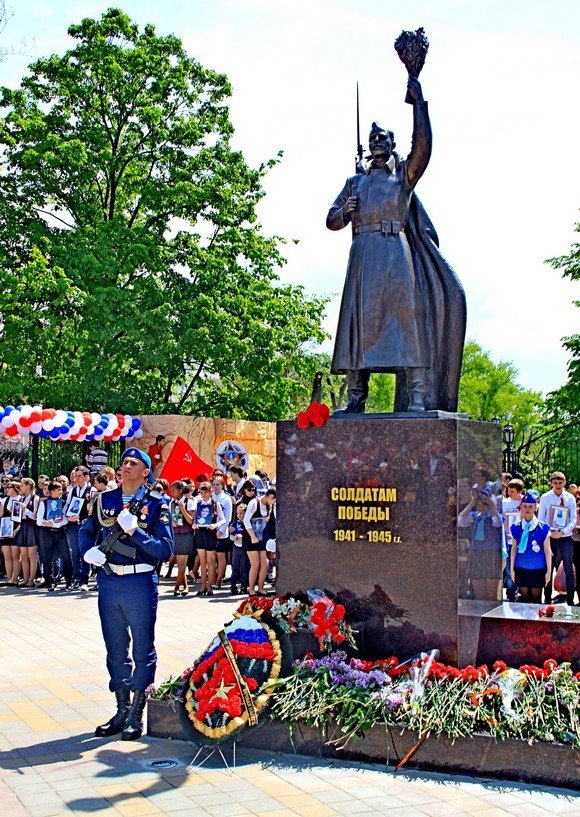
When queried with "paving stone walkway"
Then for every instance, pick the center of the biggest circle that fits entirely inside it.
(53, 691)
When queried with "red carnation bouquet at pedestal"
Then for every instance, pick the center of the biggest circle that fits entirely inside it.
(316, 413)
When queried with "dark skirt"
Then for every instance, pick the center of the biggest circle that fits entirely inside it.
(205, 539)
(183, 544)
(224, 545)
(26, 536)
(249, 546)
(534, 579)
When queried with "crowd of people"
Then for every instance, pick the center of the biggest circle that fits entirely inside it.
(224, 528)
(537, 536)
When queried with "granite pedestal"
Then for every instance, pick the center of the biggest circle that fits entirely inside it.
(369, 510)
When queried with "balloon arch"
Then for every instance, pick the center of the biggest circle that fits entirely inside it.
(65, 426)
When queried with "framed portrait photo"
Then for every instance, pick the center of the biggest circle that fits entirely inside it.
(558, 517)
(16, 511)
(75, 506)
(510, 518)
(6, 527)
(53, 509)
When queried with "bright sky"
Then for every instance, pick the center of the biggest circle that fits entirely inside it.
(503, 185)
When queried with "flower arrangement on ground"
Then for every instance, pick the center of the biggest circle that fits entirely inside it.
(349, 696)
(319, 614)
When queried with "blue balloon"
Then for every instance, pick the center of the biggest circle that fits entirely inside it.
(69, 423)
(89, 436)
(8, 409)
(54, 434)
(136, 424)
(63, 429)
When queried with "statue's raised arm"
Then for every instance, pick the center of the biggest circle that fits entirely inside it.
(418, 158)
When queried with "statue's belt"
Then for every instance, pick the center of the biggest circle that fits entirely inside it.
(386, 227)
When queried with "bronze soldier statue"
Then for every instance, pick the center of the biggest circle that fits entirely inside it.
(403, 308)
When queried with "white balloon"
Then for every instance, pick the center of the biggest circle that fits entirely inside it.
(128, 420)
(112, 425)
(96, 418)
(81, 438)
(24, 432)
(48, 425)
(79, 421)
(124, 431)
(26, 411)
(138, 434)
(7, 422)
(60, 418)
(14, 415)
(36, 428)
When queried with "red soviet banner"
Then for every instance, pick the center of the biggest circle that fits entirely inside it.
(184, 462)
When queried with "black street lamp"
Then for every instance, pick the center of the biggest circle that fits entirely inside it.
(508, 437)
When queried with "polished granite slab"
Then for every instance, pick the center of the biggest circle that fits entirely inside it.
(368, 511)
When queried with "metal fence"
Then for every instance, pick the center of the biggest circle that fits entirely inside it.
(557, 453)
(55, 458)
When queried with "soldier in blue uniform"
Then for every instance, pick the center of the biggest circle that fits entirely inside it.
(128, 586)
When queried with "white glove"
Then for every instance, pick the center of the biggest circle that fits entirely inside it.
(94, 556)
(127, 520)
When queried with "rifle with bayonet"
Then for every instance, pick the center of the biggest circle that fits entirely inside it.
(358, 166)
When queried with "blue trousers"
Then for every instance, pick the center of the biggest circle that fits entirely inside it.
(240, 566)
(80, 567)
(128, 610)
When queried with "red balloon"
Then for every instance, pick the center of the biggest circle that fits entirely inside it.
(12, 431)
(52, 413)
(87, 418)
(25, 422)
(36, 416)
(82, 430)
(46, 415)
(120, 420)
(74, 437)
(108, 437)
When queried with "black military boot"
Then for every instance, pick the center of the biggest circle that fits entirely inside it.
(119, 719)
(134, 725)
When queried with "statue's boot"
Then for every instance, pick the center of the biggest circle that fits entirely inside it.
(119, 719)
(354, 406)
(358, 391)
(134, 726)
(417, 388)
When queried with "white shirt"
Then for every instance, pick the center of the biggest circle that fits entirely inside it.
(550, 498)
(225, 500)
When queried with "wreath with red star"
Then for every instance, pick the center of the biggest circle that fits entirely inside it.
(214, 706)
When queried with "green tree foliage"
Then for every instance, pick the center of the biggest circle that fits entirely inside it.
(488, 389)
(564, 404)
(120, 188)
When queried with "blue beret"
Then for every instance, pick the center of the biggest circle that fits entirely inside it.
(137, 454)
